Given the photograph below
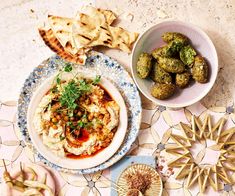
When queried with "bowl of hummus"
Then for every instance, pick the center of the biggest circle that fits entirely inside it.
(77, 120)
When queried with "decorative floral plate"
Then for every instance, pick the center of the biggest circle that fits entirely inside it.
(101, 65)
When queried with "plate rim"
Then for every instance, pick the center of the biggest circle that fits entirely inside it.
(30, 126)
(104, 165)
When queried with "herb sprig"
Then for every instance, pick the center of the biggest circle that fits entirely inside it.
(97, 79)
(73, 90)
(70, 94)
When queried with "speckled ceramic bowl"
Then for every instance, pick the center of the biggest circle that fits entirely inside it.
(151, 39)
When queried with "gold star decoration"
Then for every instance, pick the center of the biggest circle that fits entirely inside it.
(213, 175)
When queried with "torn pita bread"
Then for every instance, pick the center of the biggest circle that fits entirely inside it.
(53, 43)
(62, 30)
(113, 37)
(122, 39)
(104, 16)
(71, 38)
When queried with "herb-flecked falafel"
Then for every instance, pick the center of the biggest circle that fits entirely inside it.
(160, 75)
(200, 70)
(162, 91)
(171, 65)
(144, 65)
(182, 79)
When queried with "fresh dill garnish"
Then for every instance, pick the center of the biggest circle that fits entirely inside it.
(97, 79)
(68, 67)
(58, 80)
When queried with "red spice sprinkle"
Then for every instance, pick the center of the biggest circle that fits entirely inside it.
(138, 181)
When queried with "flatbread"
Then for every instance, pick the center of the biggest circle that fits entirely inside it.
(122, 39)
(53, 43)
(113, 37)
(65, 28)
(62, 29)
(108, 15)
(72, 38)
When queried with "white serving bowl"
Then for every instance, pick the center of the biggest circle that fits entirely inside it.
(151, 39)
(84, 163)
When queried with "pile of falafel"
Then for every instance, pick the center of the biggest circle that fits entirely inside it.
(172, 65)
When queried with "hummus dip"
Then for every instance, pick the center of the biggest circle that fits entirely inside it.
(77, 118)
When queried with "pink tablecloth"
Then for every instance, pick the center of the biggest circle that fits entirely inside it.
(156, 121)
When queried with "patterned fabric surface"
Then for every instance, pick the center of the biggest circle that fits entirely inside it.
(157, 123)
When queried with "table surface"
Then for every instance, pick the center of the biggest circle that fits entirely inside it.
(21, 49)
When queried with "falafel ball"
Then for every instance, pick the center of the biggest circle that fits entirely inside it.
(144, 65)
(182, 79)
(200, 70)
(171, 65)
(162, 91)
(160, 75)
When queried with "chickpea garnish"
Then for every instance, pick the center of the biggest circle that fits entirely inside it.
(58, 117)
(90, 116)
(79, 113)
(54, 127)
(66, 118)
(54, 120)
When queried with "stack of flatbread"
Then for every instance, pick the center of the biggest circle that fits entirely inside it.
(72, 38)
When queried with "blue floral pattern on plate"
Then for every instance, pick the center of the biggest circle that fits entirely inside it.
(99, 64)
